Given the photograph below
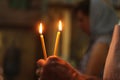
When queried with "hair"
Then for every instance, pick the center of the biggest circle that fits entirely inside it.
(83, 6)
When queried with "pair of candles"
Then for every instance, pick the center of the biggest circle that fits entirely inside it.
(56, 42)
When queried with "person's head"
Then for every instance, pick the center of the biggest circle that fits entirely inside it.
(81, 12)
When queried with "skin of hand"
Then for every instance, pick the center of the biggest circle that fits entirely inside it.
(54, 68)
(112, 65)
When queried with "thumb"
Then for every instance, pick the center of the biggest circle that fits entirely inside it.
(41, 62)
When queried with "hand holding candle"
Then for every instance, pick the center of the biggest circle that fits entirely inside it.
(57, 38)
(53, 68)
(42, 41)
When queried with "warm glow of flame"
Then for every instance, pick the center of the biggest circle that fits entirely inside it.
(40, 28)
(60, 25)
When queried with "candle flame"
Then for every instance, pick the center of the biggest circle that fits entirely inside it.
(60, 25)
(40, 28)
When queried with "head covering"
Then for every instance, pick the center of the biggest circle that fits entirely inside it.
(102, 18)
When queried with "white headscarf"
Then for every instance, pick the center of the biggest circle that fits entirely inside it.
(103, 19)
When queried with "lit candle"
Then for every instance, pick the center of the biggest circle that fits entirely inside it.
(42, 41)
(57, 38)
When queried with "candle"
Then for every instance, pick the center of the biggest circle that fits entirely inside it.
(42, 41)
(57, 38)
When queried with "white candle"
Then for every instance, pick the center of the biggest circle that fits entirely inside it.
(42, 41)
(57, 38)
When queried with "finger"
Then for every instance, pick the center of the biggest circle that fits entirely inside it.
(41, 62)
(55, 59)
(38, 72)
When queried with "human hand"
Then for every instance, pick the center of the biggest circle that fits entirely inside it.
(54, 68)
